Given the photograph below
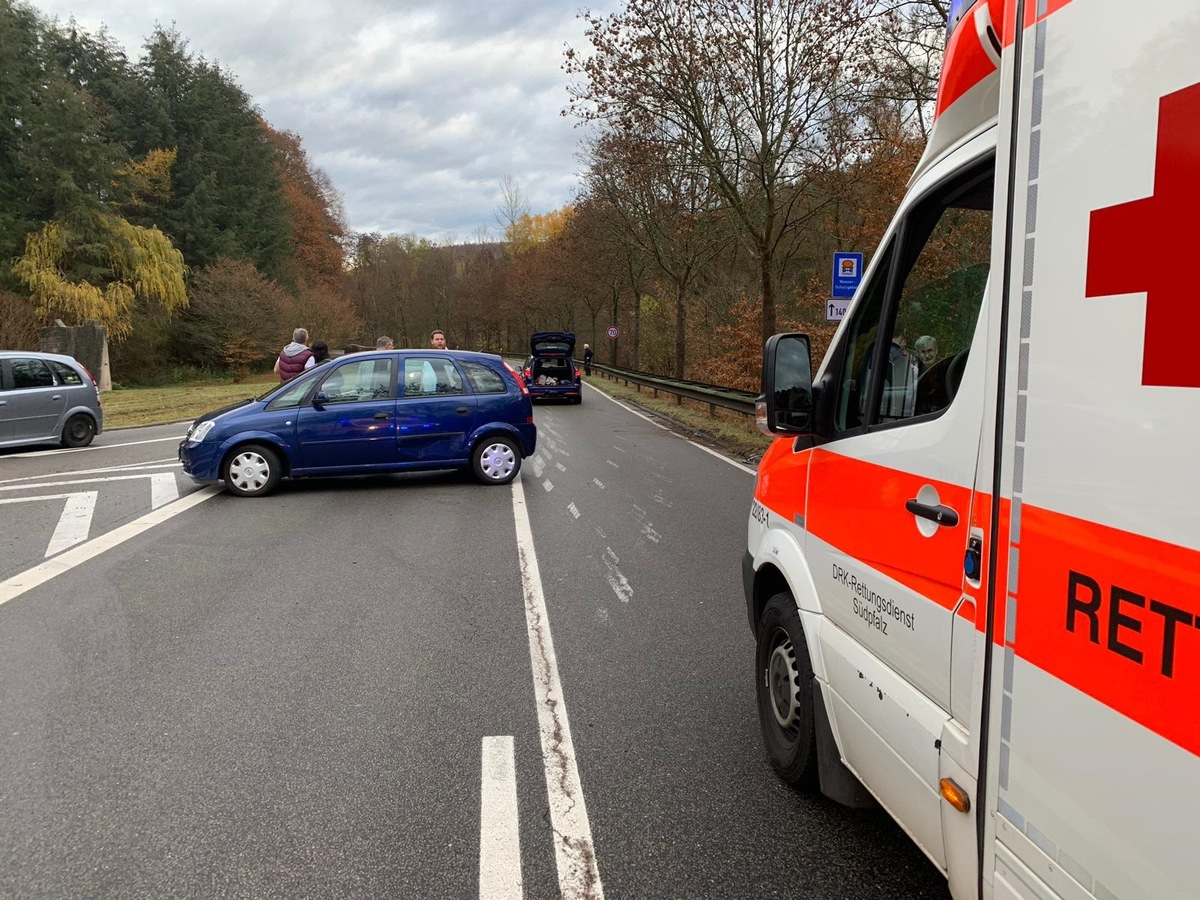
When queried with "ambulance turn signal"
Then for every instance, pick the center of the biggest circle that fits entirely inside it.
(954, 795)
(760, 417)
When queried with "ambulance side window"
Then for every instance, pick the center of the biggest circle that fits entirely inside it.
(915, 321)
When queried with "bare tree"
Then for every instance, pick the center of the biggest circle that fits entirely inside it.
(748, 82)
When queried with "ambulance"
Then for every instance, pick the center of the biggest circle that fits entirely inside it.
(973, 564)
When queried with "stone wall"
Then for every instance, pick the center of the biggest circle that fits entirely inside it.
(87, 343)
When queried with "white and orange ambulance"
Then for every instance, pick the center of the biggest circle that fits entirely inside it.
(973, 565)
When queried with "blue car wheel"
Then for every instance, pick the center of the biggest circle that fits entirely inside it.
(496, 460)
(252, 471)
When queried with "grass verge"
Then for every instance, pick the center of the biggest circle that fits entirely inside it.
(732, 433)
(177, 402)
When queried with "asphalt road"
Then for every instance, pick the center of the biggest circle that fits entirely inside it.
(294, 696)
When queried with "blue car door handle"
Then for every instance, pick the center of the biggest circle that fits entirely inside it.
(381, 415)
(463, 410)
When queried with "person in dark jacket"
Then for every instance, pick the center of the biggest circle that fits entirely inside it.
(587, 360)
(293, 359)
(320, 354)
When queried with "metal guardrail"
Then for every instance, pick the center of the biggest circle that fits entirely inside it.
(712, 394)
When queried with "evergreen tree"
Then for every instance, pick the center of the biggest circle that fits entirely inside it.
(226, 200)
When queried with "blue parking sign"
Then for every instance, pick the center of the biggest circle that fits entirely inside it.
(847, 273)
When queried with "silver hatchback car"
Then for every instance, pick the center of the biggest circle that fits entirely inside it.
(44, 398)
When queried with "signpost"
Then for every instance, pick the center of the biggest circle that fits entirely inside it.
(847, 273)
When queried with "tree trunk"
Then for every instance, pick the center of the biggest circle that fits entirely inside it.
(680, 328)
(768, 297)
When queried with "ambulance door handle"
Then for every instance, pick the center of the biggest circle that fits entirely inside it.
(942, 515)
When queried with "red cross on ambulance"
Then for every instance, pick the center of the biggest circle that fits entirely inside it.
(1128, 242)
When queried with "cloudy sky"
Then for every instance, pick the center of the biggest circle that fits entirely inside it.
(417, 109)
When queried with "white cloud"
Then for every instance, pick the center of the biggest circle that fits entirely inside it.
(416, 109)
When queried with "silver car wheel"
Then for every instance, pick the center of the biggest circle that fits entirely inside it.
(249, 472)
(498, 461)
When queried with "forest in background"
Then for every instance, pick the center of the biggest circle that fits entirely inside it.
(731, 147)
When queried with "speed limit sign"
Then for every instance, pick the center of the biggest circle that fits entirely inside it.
(612, 332)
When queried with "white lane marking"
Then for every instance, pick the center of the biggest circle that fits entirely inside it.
(616, 580)
(650, 534)
(45, 484)
(573, 510)
(622, 449)
(64, 562)
(563, 452)
(578, 874)
(598, 483)
(74, 523)
(708, 450)
(163, 489)
(613, 464)
(548, 484)
(499, 828)
(539, 467)
(36, 453)
(560, 467)
(722, 456)
(156, 464)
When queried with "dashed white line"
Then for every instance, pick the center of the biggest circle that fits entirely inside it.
(616, 580)
(598, 483)
(574, 853)
(613, 464)
(573, 510)
(499, 827)
(560, 467)
(548, 484)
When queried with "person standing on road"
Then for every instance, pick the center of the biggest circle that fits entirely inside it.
(293, 359)
(587, 360)
(320, 354)
(437, 340)
(385, 343)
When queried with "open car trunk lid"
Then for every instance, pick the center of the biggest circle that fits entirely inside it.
(552, 343)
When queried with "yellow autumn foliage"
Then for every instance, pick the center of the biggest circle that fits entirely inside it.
(143, 260)
(531, 231)
(147, 179)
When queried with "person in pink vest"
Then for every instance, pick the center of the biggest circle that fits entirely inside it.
(294, 357)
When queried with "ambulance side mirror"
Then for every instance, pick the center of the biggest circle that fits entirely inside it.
(786, 403)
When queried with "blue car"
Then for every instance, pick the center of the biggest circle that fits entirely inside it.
(550, 373)
(382, 411)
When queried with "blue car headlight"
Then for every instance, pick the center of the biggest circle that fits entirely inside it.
(197, 434)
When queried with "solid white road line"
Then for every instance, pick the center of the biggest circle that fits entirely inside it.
(74, 523)
(732, 462)
(64, 562)
(156, 464)
(578, 874)
(46, 484)
(163, 489)
(176, 439)
(499, 829)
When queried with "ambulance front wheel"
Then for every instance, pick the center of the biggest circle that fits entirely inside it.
(785, 693)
